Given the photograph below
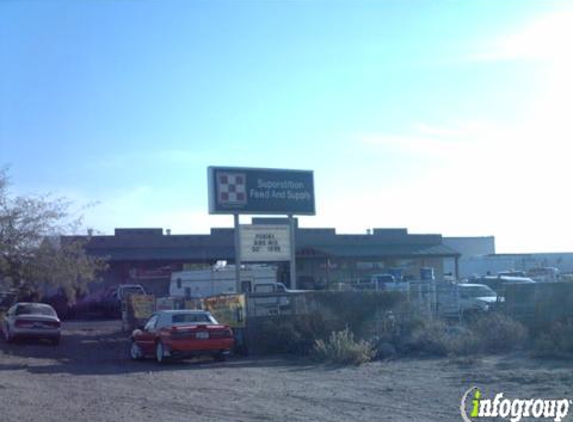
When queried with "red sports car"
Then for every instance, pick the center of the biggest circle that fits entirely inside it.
(181, 334)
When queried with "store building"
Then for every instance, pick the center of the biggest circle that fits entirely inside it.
(148, 256)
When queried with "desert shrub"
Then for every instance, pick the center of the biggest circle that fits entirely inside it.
(342, 348)
(393, 328)
(557, 340)
(461, 340)
(491, 333)
(290, 334)
(332, 312)
(407, 318)
(407, 329)
(383, 349)
(436, 338)
(498, 332)
(356, 310)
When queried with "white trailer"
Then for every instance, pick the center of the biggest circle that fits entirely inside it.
(221, 280)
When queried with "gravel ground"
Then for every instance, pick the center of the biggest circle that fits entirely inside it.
(88, 377)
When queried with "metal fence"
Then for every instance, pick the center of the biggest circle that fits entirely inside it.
(277, 303)
(538, 304)
(292, 318)
(254, 316)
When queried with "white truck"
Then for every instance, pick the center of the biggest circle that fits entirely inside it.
(464, 298)
(221, 280)
(382, 282)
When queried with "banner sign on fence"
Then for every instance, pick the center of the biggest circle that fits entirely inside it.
(164, 303)
(264, 242)
(193, 304)
(143, 305)
(135, 310)
(228, 310)
(169, 303)
(260, 191)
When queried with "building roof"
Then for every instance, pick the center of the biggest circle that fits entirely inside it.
(153, 245)
(383, 250)
(205, 253)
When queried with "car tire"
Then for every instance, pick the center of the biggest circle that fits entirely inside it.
(135, 352)
(56, 340)
(7, 336)
(220, 357)
(470, 315)
(160, 353)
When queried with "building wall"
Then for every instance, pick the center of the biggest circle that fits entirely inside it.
(471, 246)
(322, 271)
(134, 252)
(482, 265)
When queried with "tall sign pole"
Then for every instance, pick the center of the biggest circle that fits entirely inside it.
(259, 191)
(291, 221)
(237, 253)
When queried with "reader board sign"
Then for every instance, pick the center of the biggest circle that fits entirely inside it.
(238, 190)
(262, 242)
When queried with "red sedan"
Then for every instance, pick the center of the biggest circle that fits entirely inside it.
(181, 334)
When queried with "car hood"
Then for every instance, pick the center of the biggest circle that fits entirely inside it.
(487, 299)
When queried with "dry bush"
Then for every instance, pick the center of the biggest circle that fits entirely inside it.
(438, 339)
(490, 333)
(341, 348)
(498, 332)
(557, 340)
(356, 310)
(291, 334)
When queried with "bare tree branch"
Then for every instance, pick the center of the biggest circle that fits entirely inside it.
(29, 258)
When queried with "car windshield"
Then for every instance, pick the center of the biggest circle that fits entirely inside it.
(192, 317)
(478, 291)
(131, 289)
(385, 278)
(35, 309)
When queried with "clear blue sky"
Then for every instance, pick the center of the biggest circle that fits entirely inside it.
(443, 117)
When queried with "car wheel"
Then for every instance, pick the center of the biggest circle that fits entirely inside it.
(7, 336)
(160, 352)
(135, 351)
(220, 357)
(56, 341)
(470, 315)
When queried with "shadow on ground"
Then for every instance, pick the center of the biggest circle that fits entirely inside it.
(100, 348)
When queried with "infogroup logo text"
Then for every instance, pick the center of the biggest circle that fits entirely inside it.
(512, 409)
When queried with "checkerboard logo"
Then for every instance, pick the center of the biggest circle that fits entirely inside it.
(231, 188)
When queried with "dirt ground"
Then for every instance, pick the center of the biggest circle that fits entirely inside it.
(88, 377)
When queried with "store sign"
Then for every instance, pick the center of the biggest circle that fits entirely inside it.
(264, 243)
(260, 191)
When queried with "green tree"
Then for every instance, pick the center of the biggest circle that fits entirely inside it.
(33, 255)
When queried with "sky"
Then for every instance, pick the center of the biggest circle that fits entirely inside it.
(449, 117)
